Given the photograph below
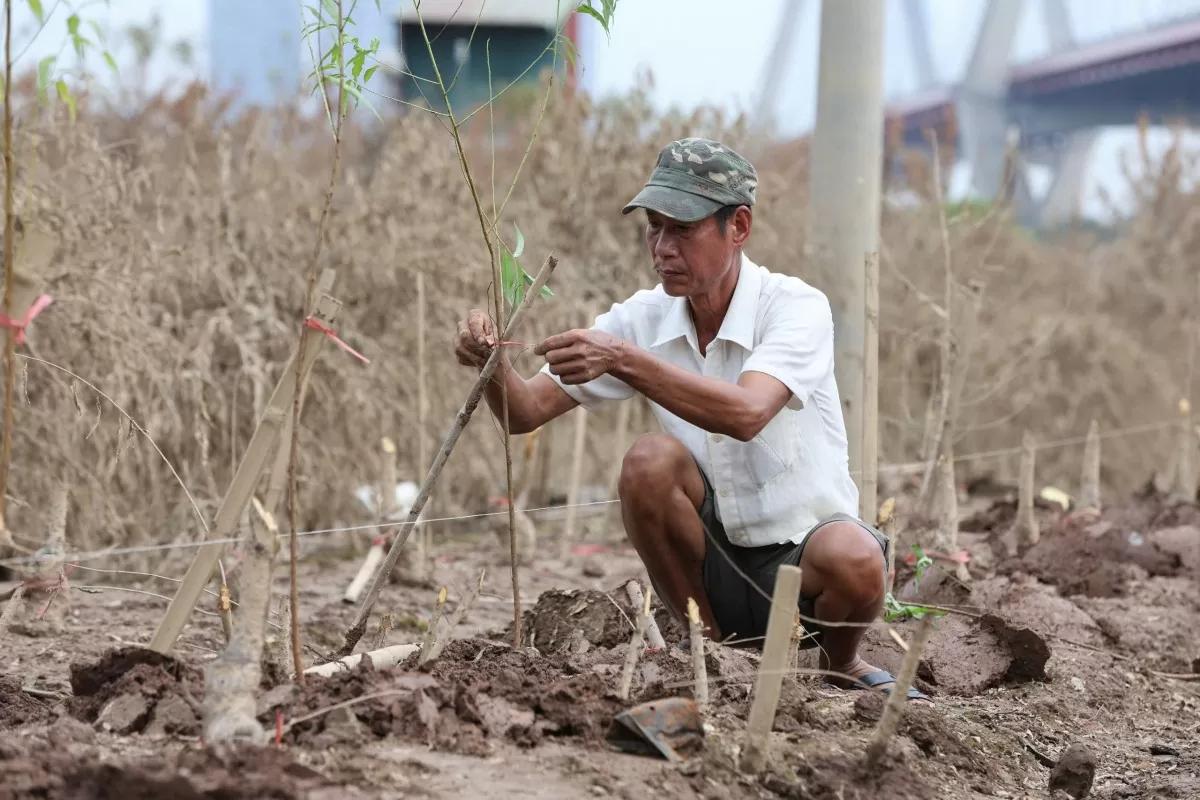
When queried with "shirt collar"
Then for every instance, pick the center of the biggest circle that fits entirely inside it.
(738, 325)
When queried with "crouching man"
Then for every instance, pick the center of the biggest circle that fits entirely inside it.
(751, 471)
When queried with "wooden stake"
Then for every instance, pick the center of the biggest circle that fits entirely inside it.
(265, 442)
(1185, 469)
(423, 567)
(356, 631)
(899, 694)
(780, 623)
(870, 436)
(636, 645)
(887, 523)
(231, 681)
(568, 537)
(948, 510)
(620, 445)
(696, 635)
(1089, 481)
(1027, 525)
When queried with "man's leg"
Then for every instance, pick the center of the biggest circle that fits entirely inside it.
(844, 570)
(661, 492)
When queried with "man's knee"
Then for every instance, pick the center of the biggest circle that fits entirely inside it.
(651, 466)
(849, 559)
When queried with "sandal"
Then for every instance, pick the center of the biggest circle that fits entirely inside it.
(879, 677)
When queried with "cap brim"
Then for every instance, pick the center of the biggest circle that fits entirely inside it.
(674, 203)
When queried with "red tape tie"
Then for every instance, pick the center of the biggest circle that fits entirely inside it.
(309, 322)
(20, 325)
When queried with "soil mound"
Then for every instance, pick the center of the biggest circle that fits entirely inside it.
(19, 708)
(132, 689)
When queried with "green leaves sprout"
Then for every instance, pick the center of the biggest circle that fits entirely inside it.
(48, 72)
(344, 64)
(894, 610)
(513, 278)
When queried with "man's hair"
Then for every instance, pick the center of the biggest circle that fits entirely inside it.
(723, 215)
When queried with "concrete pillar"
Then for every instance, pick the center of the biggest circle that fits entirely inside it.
(846, 164)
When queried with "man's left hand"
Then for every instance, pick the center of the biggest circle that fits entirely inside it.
(580, 356)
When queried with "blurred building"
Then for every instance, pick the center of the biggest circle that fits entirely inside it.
(475, 42)
(257, 52)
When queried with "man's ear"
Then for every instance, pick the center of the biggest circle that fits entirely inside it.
(740, 225)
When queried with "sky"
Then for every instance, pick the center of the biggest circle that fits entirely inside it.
(666, 38)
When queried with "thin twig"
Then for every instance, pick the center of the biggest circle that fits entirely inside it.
(10, 339)
(326, 210)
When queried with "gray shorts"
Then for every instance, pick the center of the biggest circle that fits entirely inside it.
(739, 610)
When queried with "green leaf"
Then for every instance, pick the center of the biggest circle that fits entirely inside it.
(587, 9)
(95, 26)
(44, 68)
(73, 25)
(36, 7)
(64, 94)
(112, 64)
(520, 248)
(511, 284)
(330, 8)
(367, 75)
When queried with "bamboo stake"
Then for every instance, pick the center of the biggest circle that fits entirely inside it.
(265, 441)
(899, 695)
(10, 334)
(568, 536)
(1027, 525)
(356, 631)
(423, 567)
(696, 635)
(780, 624)
(1185, 470)
(870, 438)
(635, 647)
(1089, 481)
(654, 637)
(230, 681)
(887, 523)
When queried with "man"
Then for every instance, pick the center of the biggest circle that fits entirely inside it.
(751, 470)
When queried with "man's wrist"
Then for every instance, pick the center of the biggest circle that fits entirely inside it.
(625, 363)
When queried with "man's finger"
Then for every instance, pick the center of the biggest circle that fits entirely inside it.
(563, 355)
(556, 342)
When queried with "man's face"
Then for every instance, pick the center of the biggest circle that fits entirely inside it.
(692, 258)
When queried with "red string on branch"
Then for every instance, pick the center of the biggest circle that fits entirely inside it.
(309, 322)
(19, 325)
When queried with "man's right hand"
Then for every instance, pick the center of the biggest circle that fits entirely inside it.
(476, 339)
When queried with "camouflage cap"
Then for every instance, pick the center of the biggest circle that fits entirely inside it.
(694, 178)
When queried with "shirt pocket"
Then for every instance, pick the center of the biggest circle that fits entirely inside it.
(772, 452)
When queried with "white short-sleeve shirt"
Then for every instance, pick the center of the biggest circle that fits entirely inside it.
(795, 472)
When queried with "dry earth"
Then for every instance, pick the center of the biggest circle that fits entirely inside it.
(1064, 646)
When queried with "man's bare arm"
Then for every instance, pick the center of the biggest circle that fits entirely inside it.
(531, 403)
(739, 410)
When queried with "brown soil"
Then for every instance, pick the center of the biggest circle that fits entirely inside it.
(1014, 685)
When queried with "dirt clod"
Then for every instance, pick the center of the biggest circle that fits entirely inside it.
(1074, 772)
(17, 707)
(123, 691)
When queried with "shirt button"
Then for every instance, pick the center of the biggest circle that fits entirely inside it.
(724, 493)
(717, 437)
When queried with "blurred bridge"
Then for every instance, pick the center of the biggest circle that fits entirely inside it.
(1049, 108)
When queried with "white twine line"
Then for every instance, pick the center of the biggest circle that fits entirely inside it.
(911, 466)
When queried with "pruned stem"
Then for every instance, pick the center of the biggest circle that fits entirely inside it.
(359, 627)
(899, 694)
(696, 636)
(780, 624)
(1089, 481)
(293, 445)
(460, 613)
(10, 340)
(1027, 524)
(654, 637)
(636, 645)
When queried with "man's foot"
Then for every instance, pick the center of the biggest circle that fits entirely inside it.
(860, 675)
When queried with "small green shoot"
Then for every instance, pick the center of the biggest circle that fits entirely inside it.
(513, 278)
(894, 610)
